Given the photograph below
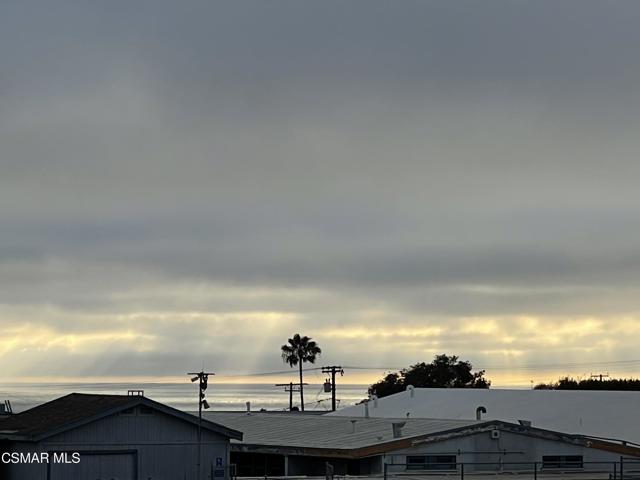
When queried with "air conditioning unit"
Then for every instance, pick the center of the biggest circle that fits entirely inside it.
(495, 434)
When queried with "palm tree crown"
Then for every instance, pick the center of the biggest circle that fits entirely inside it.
(297, 351)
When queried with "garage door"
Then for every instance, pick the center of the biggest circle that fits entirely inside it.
(97, 466)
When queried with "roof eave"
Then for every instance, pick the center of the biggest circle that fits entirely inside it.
(135, 401)
(408, 442)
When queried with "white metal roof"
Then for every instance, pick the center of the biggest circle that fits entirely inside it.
(596, 413)
(319, 431)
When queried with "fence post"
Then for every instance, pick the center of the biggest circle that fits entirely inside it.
(615, 471)
(462, 471)
(535, 470)
(384, 468)
(621, 467)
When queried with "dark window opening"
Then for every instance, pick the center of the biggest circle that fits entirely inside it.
(128, 411)
(431, 462)
(249, 464)
(562, 461)
(145, 410)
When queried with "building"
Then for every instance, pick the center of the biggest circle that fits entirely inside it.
(278, 444)
(605, 414)
(117, 437)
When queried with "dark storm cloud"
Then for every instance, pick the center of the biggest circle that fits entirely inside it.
(333, 163)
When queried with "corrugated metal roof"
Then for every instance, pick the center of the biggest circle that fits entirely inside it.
(314, 431)
(334, 436)
(595, 413)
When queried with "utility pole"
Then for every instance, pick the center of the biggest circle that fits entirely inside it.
(332, 370)
(290, 387)
(202, 378)
(600, 376)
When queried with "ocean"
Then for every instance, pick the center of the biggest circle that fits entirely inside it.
(220, 396)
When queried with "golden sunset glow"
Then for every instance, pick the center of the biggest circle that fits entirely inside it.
(508, 349)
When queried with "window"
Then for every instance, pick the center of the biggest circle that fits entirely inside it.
(562, 461)
(431, 462)
(128, 411)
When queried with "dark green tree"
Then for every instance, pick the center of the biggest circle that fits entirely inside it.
(390, 384)
(443, 372)
(568, 383)
(297, 351)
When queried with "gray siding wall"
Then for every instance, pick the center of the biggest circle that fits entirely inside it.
(480, 447)
(165, 448)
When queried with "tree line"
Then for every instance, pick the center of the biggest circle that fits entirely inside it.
(568, 383)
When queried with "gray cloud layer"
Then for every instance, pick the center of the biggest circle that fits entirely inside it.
(427, 161)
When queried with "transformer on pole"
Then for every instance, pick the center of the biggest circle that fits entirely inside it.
(332, 370)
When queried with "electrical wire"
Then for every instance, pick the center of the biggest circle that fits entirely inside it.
(264, 374)
(621, 364)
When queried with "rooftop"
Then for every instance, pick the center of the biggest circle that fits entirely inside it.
(320, 431)
(604, 414)
(355, 437)
(62, 411)
(77, 409)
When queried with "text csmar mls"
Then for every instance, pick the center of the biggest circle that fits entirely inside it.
(40, 457)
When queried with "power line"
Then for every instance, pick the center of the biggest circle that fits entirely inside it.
(534, 366)
(316, 369)
(563, 365)
(373, 368)
(621, 364)
(264, 374)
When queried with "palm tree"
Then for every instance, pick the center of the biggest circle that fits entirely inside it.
(296, 352)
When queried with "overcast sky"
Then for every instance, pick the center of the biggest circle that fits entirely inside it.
(196, 181)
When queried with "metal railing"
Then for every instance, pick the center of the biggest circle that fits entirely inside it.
(627, 468)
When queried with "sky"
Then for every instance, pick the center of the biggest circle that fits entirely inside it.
(190, 183)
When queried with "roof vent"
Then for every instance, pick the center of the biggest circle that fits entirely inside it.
(5, 408)
(412, 390)
(397, 428)
(353, 425)
(525, 423)
(248, 404)
(479, 411)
